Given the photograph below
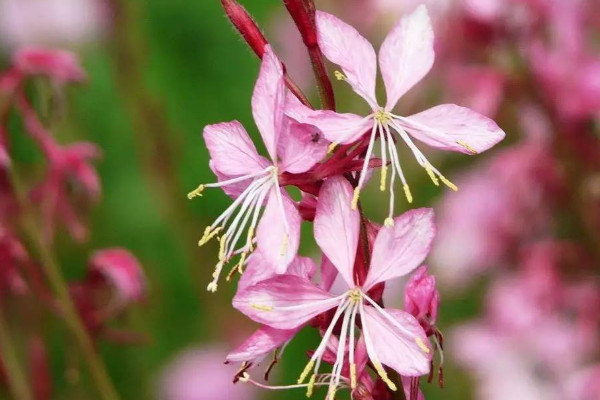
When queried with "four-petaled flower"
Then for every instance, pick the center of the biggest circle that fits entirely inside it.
(252, 179)
(392, 337)
(405, 57)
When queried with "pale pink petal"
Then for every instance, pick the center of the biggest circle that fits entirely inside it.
(268, 100)
(283, 302)
(304, 267)
(401, 248)
(260, 344)
(455, 128)
(344, 46)
(337, 226)
(328, 274)
(260, 269)
(398, 348)
(335, 127)
(278, 244)
(406, 55)
(122, 270)
(300, 147)
(231, 150)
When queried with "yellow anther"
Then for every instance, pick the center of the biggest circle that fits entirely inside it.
(355, 296)
(332, 147)
(389, 222)
(339, 76)
(408, 194)
(304, 373)
(466, 146)
(245, 377)
(250, 238)
(331, 393)
(238, 267)
(262, 307)
(422, 345)
(196, 192)
(384, 376)
(352, 376)
(382, 116)
(311, 385)
(212, 287)
(284, 244)
(431, 174)
(384, 170)
(209, 234)
(355, 198)
(448, 183)
(222, 247)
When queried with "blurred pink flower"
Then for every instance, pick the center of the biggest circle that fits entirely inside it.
(50, 22)
(121, 269)
(288, 301)
(199, 374)
(585, 384)
(446, 127)
(12, 256)
(479, 88)
(421, 298)
(59, 65)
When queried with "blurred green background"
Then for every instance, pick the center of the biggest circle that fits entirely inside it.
(164, 71)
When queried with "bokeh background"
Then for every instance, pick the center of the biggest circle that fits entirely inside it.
(159, 71)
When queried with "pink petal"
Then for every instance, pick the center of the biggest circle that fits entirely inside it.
(268, 302)
(304, 267)
(268, 100)
(447, 125)
(401, 248)
(397, 348)
(260, 269)
(260, 344)
(406, 55)
(337, 226)
(63, 66)
(336, 127)
(123, 270)
(231, 150)
(344, 46)
(328, 274)
(278, 245)
(300, 147)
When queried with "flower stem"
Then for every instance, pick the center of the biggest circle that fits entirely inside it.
(16, 377)
(65, 303)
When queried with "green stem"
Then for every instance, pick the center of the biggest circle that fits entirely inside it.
(65, 303)
(16, 377)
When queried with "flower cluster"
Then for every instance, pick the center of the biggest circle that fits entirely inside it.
(374, 350)
(32, 214)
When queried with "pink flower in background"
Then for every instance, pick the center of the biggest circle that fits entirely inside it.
(50, 22)
(421, 298)
(199, 374)
(479, 88)
(406, 56)
(59, 65)
(71, 184)
(122, 270)
(253, 180)
(584, 385)
(287, 301)
(12, 256)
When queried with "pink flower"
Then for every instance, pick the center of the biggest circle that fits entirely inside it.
(199, 374)
(50, 22)
(62, 66)
(121, 269)
(405, 57)
(70, 183)
(421, 298)
(253, 180)
(392, 337)
(12, 256)
(584, 385)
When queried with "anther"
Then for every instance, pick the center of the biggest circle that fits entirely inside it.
(466, 146)
(384, 376)
(209, 234)
(431, 174)
(448, 183)
(307, 369)
(422, 345)
(389, 222)
(384, 171)
(196, 192)
(284, 244)
(262, 307)
(353, 376)
(311, 385)
(339, 76)
(222, 248)
(245, 377)
(408, 194)
(331, 393)
(355, 198)
(332, 147)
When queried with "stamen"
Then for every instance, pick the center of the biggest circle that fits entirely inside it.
(222, 247)
(422, 345)
(355, 197)
(389, 222)
(339, 76)
(306, 370)
(331, 393)
(466, 146)
(284, 245)
(212, 286)
(353, 374)
(332, 147)
(448, 183)
(311, 385)
(408, 194)
(196, 192)
(434, 178)
(209, 233)
(262, 307)
(384, 376)
(383, 178)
